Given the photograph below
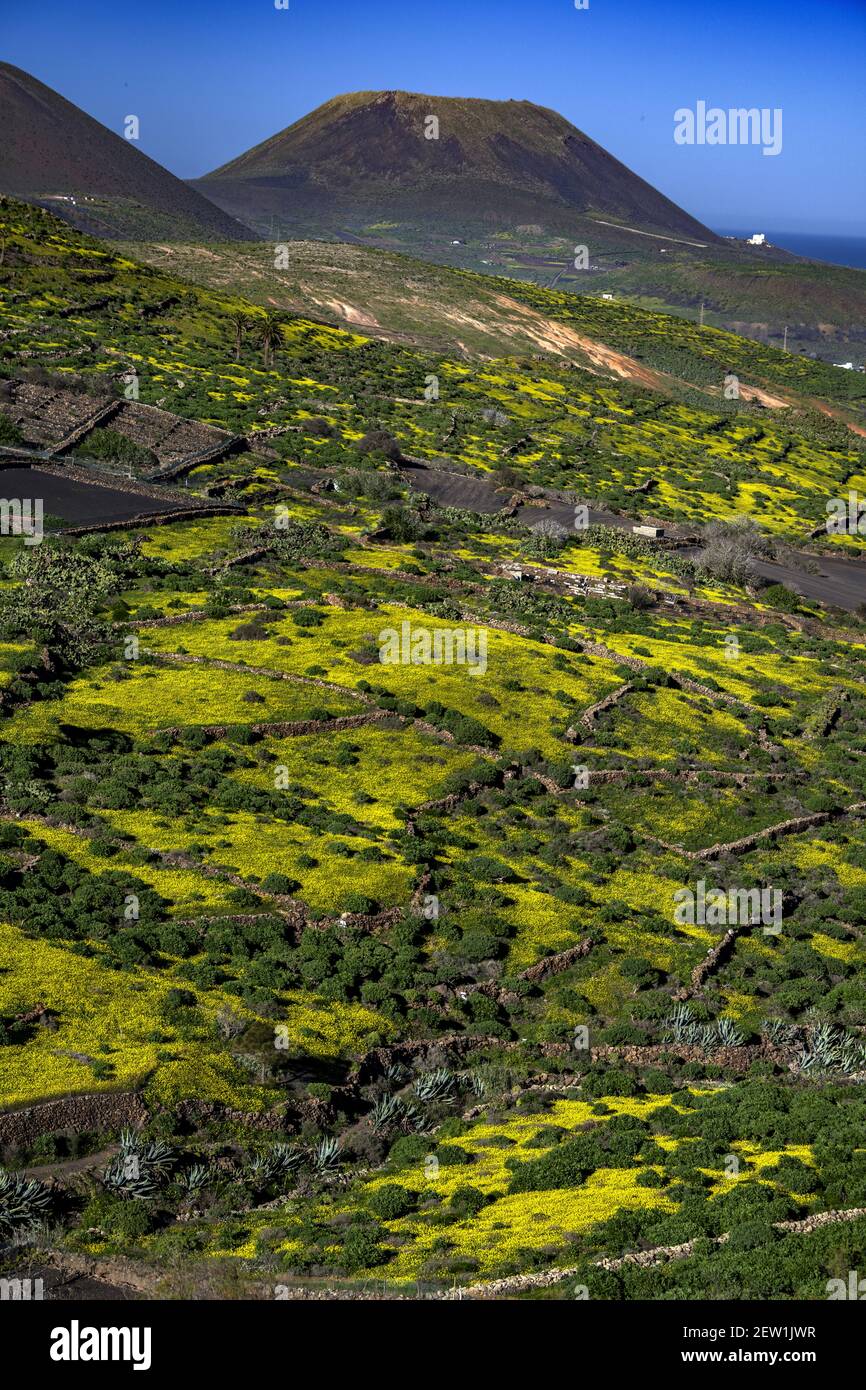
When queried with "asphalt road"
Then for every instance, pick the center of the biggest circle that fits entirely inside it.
(838, 583)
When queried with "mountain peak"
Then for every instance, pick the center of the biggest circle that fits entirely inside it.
(442, 160)
(54, 153)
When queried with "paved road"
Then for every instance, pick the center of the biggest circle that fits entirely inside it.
(477, 495)
(840, 583)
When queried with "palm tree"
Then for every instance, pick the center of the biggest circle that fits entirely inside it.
(240, 322)
(270, 337)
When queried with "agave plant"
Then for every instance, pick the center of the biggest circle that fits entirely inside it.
(140, 1166)
(829, 1049)
(287, 1157)
(806, 1060)
(728, 1033)
(395, 1074)
(386, 1113)
(125, 1177)
(681, 1026)
(779, 1031)
(261, 1170)
(435, 1085)
(158, 1156)
(825, 1038)
(852, 1057)
(155, 1154)
(838, 1051)
(195, 1178)
(477, 1084)
(393, 1113)
(412, 1120)
(325, 1157)
(810, 1060)
(277, 1163)
(23, 1201)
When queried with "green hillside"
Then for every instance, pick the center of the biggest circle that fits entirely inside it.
(544, 423)
(433, 305)
(396, 974)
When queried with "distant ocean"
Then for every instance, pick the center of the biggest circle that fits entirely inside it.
(839, 250)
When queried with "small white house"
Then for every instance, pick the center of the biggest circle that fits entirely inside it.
(654, 532)
(607, 296)
(756, 239)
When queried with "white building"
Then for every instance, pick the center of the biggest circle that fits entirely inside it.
(756, 239)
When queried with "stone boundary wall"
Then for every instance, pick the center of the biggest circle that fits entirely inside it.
(94, 1111)
(135, 523)
(116, 482)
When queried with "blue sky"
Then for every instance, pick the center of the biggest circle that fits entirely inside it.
(209, 78)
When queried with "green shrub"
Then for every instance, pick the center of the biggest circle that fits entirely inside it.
(391, 1201)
